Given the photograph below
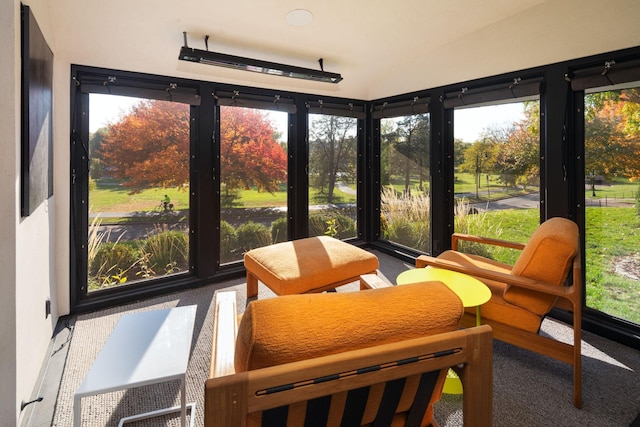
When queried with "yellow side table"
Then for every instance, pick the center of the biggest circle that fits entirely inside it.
(471, 291)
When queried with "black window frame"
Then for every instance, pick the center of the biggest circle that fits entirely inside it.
(561, 172)
(204, 221)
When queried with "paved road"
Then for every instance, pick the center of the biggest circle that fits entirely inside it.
(521, 202)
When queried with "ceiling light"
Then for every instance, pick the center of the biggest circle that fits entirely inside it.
(299, 17)
(256, 65)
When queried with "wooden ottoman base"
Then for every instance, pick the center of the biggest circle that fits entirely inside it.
(314, 264)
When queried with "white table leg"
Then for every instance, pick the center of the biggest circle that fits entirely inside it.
(159, 412)
(77, 411)
(183, 403)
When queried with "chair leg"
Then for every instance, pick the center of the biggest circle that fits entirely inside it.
(577, 357)
(252, 285)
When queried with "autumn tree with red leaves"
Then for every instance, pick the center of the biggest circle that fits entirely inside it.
(250, 156)
(149, 147)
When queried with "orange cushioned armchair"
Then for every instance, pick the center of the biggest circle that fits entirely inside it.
(546, 274)
(372, 357)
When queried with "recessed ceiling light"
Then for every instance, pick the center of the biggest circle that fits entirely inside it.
(299, 17)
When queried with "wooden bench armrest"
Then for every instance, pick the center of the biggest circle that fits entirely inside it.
(484, 240)
(225, 331)
(522, 282)
(373, 281)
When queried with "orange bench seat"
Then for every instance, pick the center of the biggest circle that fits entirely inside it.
(313, 264)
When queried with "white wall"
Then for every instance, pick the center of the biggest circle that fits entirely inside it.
(27, 251)
(9, 137)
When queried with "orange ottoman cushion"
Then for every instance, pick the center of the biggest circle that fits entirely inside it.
(308, 265)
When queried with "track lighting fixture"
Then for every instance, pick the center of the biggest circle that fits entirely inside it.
(256, 65)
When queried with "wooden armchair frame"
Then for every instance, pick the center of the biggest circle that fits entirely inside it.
(230, 397)
(568, 297)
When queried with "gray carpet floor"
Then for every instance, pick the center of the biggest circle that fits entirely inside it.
(529, 390)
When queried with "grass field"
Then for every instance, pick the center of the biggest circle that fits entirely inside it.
(612, 233)
(465, 185)
(111, 197)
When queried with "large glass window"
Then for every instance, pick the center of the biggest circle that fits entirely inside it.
(253, 176)
(497, 173)
(405, 200)
(138, 200)
(612, 201)
(332, 175)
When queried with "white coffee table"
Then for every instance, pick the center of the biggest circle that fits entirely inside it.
(144, 348)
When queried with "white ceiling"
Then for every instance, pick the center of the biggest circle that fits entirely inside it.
(381, 47)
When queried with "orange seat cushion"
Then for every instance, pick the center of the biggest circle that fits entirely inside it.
(291, 328)
(496, 309)
(308, 265)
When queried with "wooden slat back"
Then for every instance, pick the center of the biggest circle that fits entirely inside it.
(301, 387)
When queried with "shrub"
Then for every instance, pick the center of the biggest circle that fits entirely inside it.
(228, 242)
(252, 235)
(339, 226)
(470, 221)
(165, 252)
(279, 230)
(113, 263)
(405, 217)
(345, 226)
(317, 224)
(402, 231)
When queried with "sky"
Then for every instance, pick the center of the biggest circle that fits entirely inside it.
(468, 122)
(104, 109)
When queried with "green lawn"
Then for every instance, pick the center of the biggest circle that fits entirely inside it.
(611, 233)
(465, 183)
(620, 188)
(111, 197)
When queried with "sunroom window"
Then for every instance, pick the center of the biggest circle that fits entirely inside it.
(497, 164)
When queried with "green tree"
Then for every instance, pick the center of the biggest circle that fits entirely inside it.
(387, 138)
(518, 155)
(612, 134)
(96, 140)
(479, 158)
(511, 152)
(459, 147)
(412, 145)
(332, 152)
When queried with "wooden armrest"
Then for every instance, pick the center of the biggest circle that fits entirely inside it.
(225, 331)
(522, 282)
(484, 240)
(373, 281)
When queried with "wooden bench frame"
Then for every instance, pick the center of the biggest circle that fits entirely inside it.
(230, 397)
